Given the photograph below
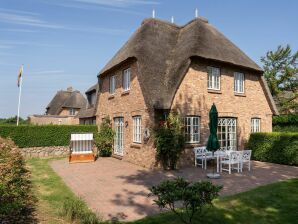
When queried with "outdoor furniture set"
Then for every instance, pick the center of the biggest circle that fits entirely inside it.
(226, 160)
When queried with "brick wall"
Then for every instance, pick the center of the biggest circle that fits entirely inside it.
(193, 98)
(126, 105)
(49, 119)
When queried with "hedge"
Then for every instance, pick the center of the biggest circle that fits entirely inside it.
(43, 135)
(17, 202)
(275, 147)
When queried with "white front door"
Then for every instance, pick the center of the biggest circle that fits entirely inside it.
(118, 140)
(227, 133)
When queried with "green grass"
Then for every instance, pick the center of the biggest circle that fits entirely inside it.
(51, 192)
(274, 203)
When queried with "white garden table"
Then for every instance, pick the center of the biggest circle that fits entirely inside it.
(218, 155)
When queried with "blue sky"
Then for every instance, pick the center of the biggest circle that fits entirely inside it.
(66, 42)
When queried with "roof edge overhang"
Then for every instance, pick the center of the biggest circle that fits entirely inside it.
(259, 71)
(128, 59)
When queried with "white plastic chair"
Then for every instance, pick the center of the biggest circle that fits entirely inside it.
(201, 154)
(231, 159)
(245, 158)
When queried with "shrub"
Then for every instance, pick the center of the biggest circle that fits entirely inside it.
(276, 147)
(44, 135)
(191, 197)
(16, 200)
(169, 139)
(75, 210)
(285, 123)
(105, 138)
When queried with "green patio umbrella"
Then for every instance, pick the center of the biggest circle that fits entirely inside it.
(213, 143)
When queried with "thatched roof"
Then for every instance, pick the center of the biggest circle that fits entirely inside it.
(164, 50)
(88, 112)
(66, 99)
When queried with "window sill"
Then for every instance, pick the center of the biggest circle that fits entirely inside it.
(135, 145)
(240, 94)
(214, 91)
(126, 92)
(111, 97)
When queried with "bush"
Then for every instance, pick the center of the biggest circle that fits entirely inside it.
(169, 139)
(276, 147)
(285, 123)
(105, 138)
(75, 210)
(191, 197)
(16, 200)
(44, 135)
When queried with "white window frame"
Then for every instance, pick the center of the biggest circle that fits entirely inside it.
(213, 78)
(192, 123)
(137, 129)
(112, 87)
(239, 81)
(72, 111)
(227, 133)
(126, 79)
(255, 125)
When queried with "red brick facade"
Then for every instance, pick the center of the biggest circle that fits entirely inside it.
(191, 98)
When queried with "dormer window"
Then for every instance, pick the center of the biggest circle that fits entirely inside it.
(238, 82)
(112, 84)
(72, 111)
(213, 78)
(126, 79)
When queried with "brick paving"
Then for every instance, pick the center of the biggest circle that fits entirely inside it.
(118, 190)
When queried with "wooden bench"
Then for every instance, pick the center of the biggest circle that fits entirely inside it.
(81, 147)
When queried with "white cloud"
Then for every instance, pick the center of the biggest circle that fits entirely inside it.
(29, 20)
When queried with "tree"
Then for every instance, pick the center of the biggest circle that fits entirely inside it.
(281, 74)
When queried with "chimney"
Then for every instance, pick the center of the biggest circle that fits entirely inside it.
(69, 89)
(172, 19)
(197, 13)
(153, 13)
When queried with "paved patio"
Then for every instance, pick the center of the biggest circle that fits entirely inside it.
(118, 190)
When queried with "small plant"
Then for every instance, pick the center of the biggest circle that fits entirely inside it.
(183, 198)
(75, 210)
(170, 141)
(105, 138)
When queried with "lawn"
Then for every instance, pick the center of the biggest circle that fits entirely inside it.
(50, 190)
(274, 203)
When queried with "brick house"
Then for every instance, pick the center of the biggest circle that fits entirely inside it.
(87, 115)
(62, 109)
(165, 67)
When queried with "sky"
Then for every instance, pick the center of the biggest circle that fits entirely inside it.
(65, 43)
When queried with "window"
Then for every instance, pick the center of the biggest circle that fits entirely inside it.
(192, 129)
(137, 129)
(213, 78)
(126, 79)
(255, 125)
(72, 111)
(112, 84)
(238, 82)
(226, 133)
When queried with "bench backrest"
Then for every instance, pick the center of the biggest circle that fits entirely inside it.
(81, 142)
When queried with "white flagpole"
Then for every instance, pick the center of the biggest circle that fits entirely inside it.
(20, 93)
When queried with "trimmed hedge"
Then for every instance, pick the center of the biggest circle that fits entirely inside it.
(44, 135)
(275, 147)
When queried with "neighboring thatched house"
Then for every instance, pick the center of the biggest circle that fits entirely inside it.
(63, 108)
(186, 69)
(87, 115)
